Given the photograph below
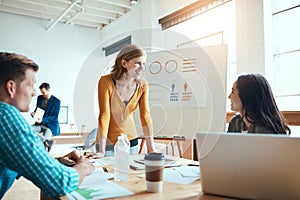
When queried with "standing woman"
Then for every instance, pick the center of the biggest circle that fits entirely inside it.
(253, 99)
(119, 94)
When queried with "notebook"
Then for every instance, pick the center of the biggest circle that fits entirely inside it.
(249, 166)
(39, 113)
(137, 162)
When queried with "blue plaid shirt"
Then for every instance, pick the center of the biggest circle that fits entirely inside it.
(22, 153)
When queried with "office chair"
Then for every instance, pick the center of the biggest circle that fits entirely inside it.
(91, 139)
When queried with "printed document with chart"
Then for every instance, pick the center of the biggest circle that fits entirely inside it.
(97, 186)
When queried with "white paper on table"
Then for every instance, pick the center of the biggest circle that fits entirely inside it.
(175, 176)
(188, 171)
(104, 190)
(97, 186)
(103, 161)
(99, 175)
(39, 113)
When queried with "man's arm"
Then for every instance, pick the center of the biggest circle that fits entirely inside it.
(24, 153)
(52, 111)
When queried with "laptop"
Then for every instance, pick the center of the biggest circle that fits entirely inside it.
(249, 166)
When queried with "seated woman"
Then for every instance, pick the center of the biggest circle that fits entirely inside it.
(253, 99)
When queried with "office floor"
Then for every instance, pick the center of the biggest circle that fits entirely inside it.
(22, 189)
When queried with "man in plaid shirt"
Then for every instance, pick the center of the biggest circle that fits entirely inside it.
(22, 152)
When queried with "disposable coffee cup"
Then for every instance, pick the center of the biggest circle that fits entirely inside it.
(154, 165)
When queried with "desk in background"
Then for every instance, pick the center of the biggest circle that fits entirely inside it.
(185, 147)
(70, 137)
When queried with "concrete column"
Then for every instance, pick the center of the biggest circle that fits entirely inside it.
(250, 36)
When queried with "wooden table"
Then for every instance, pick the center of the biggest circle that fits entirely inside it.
(137, 185)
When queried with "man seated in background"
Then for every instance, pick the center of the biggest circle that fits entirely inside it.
(47, 124)
(22, 152)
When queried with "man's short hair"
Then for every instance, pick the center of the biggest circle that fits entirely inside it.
(45, 85)
(13, 67)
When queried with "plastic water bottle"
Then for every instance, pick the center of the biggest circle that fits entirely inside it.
(122, 151)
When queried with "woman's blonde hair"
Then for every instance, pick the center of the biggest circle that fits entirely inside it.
(127, 53)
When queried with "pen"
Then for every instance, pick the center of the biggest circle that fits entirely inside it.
(196, 165)
(105, 169)
(139, 161)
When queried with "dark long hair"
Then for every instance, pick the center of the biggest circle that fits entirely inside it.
(259, 104)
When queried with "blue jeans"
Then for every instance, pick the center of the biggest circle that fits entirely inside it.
(44, 132)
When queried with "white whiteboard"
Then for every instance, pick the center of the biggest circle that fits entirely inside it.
(187, 90)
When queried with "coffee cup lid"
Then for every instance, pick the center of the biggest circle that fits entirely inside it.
(154, 156)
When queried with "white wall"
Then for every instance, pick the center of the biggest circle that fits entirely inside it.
(67, 54)
(59, 52)
(146, 32)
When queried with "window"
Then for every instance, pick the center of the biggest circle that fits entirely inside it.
(63, 115)
(286, 53)
(214, 26)
(115, 47)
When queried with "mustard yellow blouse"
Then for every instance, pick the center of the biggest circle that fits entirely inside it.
(115, 117)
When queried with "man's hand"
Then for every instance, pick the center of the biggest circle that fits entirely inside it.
(70, 159)
(84, 167)
(39, 120)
